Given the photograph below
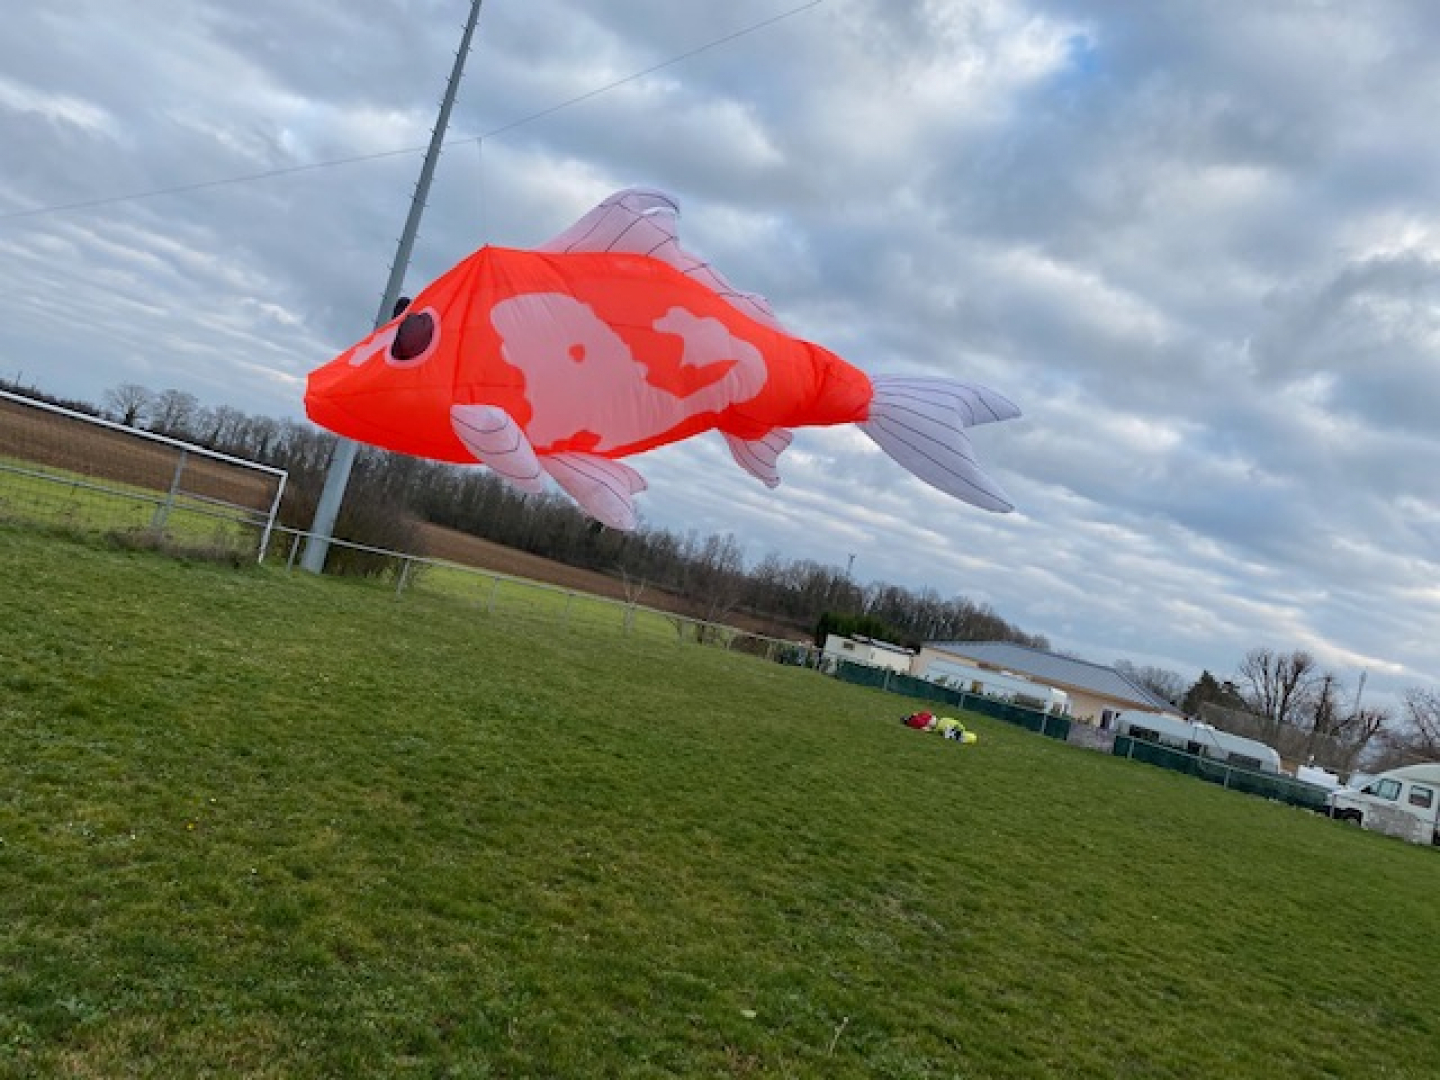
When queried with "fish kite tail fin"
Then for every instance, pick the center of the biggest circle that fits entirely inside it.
(920, 422)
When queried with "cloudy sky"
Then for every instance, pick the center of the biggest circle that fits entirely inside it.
(1197, 242)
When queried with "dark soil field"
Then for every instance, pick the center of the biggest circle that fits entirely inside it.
(59, 442)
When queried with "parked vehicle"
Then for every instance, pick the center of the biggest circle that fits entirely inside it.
(1403, 802)
(1199, 739)
(1314, 774)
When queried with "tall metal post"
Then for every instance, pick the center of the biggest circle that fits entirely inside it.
(342, 461)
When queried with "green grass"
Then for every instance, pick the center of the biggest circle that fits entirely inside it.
(69, 500)
(545, 608)
(270, 825)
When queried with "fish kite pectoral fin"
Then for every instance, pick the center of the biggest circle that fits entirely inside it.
(759, 457)
(920, 423)
(493, 436)
(605, 489)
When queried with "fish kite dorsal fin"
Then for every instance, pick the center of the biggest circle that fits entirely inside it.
(645, 221)
(636, 220)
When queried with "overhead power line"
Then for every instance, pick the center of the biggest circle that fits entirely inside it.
(334, 163)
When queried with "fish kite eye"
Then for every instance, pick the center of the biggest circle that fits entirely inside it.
(413, 339)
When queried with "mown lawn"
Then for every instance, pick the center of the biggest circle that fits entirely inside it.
(260, 824)
(99, 505)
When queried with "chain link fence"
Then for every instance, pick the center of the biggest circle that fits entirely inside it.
(1295, 746)
(67, 469)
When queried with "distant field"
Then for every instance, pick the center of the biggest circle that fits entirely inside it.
(60, 471)
(473, 551)
(275, 825)
(73, 446)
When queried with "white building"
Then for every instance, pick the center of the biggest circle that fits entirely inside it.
(871, 651)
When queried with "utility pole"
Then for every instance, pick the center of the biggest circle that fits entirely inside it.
(343, 459)
(1359, 691)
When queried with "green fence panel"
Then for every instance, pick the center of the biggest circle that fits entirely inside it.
(1054, 727)
(1267, 785)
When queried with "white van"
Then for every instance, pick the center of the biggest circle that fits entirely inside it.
(1403, 802)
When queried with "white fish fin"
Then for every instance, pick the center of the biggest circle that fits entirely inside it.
(635, 220)
(605, 489)
(759, 456)
(645, 221)
(493, 436)
(920, 423)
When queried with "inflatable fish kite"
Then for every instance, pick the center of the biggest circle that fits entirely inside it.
(611, 340)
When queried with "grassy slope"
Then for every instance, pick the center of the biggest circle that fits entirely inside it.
(258, 824)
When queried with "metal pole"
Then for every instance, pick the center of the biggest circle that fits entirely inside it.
(162, 511)
(343, 459)
(274, 513)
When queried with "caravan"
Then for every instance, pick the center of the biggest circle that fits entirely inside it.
(1403, 802)
(1000, 685)
(1201, 740)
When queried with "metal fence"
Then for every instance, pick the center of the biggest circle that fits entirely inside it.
(523, 599)
(65, 468)
(1267, 785)
(1292, 743)
(1036, 720)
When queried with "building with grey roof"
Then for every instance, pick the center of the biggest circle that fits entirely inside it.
(1097, 693)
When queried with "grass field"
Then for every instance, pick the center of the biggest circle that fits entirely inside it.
(259, 824)
(57, 499)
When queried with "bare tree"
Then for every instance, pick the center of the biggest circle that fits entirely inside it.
(173, 412)
(1422, 710)
(634, 589)
(1162, 682)
(716, 578)
(219, 428)
(1337, 735)
(1419, 739)
(1278, 686)
(127, 403)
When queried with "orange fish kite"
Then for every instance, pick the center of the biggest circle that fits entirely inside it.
(611, 340)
